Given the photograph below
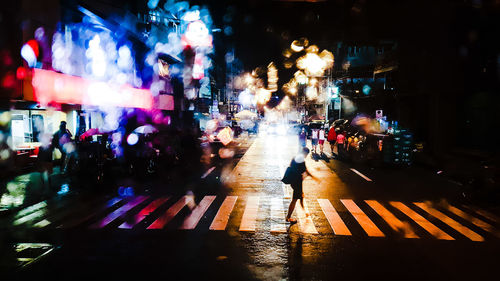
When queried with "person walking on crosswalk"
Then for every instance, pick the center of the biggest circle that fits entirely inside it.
(298, 165)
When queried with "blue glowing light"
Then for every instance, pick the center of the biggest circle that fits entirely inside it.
(366, 89)
(64, 189)
(125, 191)
(129, 191)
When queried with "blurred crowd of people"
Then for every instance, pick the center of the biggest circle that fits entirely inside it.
(344, 144)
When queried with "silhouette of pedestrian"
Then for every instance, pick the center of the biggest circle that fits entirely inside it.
(298, 165)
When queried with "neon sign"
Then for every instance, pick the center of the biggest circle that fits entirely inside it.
(53, 87)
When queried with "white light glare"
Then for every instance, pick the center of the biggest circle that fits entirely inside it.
(28, 55)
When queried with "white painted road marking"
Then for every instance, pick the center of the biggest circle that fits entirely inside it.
(249, 219)
(425, 224)
(222, 217)
(160, 222)
(391, 220)
(192, 220)
(450, 222)
(333, 218)
(370, 228)
(277, 215)
(306, 224)
(208, 172)
(360, 174)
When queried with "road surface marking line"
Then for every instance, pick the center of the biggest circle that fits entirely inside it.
(449, 221)
(249, 219)
(391, 220)
(65, 212)
(109, 204)
(144, 213)
(119, 212)
(30, 209)
(360, 174)
(363, 220)
(277, 215)
(333, 217)
(42, 223)
(208, 172)
(477, 222)
(192, 220)
(222, 216)
(286, 191)
(425, 224)
(160, 222)
(483, 213)
(306, 224)
(31, 217)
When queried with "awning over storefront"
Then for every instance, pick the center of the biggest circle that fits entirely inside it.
(52, 87)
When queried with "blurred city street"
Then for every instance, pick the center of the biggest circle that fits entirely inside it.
(362, 224)
(249, 140)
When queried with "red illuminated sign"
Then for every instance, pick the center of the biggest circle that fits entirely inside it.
(53, 87)
(165, 102)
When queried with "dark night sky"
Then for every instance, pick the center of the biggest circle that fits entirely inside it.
(264, 28)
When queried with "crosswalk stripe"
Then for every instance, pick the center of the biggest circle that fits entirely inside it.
(249, 219)
(112, 202)
(483, 213)
(67, 210)
(363, 220)
(286, 190)
(277, 215)
(222, 216)
(333, 218)
(31, 209)
(449, 221)
(192, 220)
(30, 217)
(425, 224)
(119, 212)
(360, 174)
(306, 224)
(42, 223)
(391, 220)
(144, 213)
(170, 213)
(477, 222)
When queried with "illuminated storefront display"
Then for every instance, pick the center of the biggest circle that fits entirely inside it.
(52, 87)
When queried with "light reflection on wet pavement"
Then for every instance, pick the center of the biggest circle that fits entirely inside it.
(259, 252)
(259, 173)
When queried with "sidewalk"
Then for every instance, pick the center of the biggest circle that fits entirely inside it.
(26, 189)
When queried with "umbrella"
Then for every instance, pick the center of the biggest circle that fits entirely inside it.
(245, 114)
(90, 132)
(145, 129)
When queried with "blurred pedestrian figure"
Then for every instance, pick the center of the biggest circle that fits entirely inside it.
(302, 138)
(190, 153)
(314, 139)
(332, 138)
(59, 141)
(340, 144)
(44, 160)
(321, 139)
(298, 173)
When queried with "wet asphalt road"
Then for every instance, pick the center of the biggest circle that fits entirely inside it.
(344, 237)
